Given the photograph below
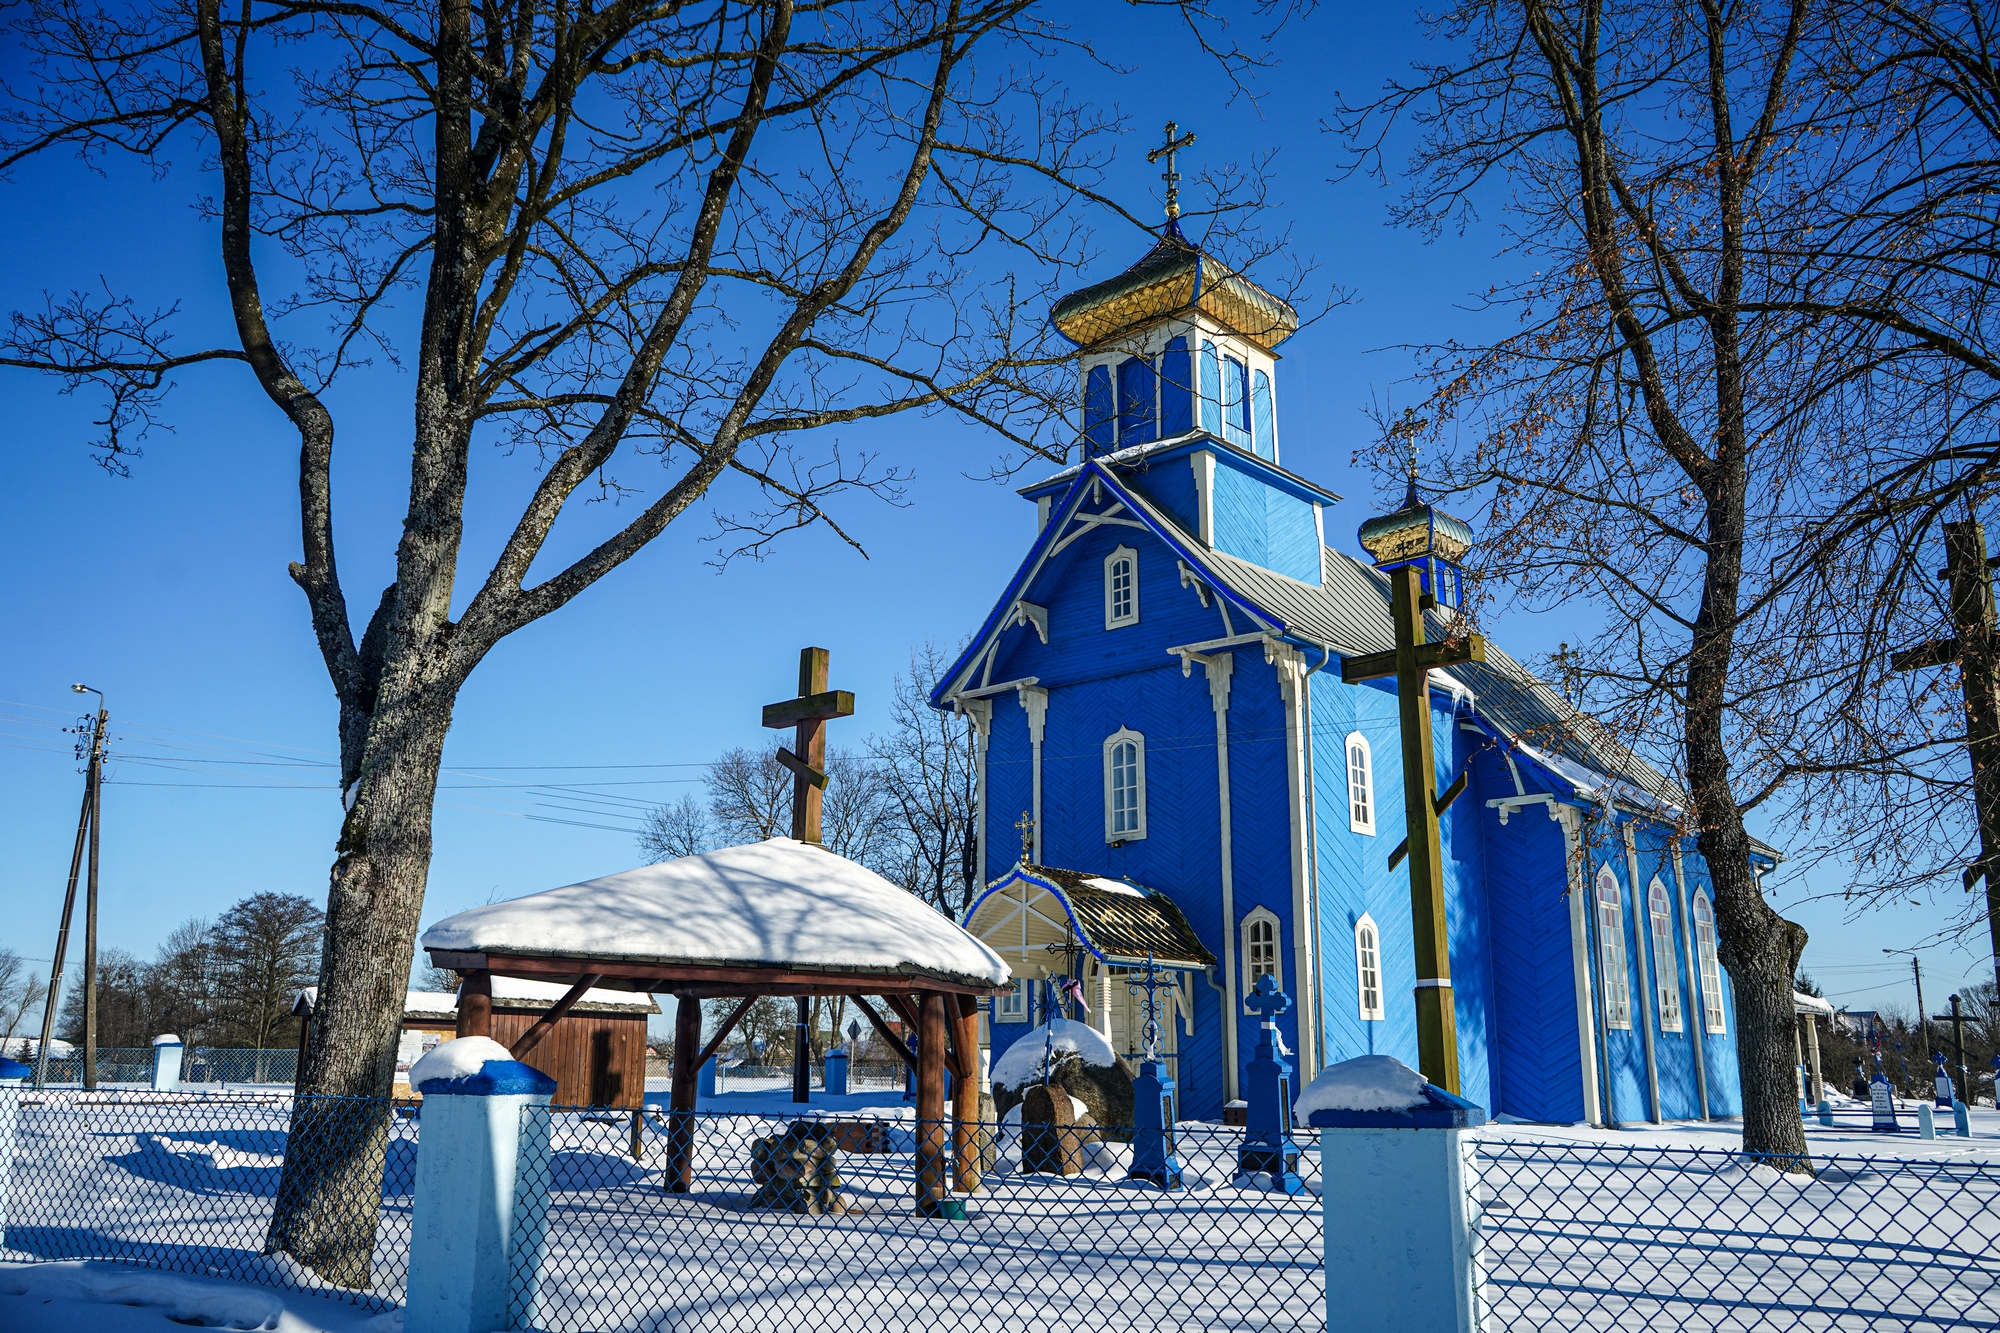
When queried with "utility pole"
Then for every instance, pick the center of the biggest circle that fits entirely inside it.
(1923, 1022)
(86, 837)
(1973, 648)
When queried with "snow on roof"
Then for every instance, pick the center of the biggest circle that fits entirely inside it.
(1365, 1083)
(1810, 1004)
(777, 903)
(1114, 886)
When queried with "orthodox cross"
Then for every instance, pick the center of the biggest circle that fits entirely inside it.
(1026, 823)
(1974, 649)
(1150, 982)
(1070, 948)
(1267, 1001)
(1175, 142)
(808, 714)
(1411, 662)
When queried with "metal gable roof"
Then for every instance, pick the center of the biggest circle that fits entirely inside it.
(1118, 921)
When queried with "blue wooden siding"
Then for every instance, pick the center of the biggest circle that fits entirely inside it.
(1170, 486)
(1176, 389)
(1262, 428)
(1725, 1081)
(1673, 1051)
(1138, 400)
(1538, 1054)
(1099, 430)
(1255, 521)
(1467, 916)
(1211, 389)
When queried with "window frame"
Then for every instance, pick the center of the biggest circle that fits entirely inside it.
(1611, 949)
(1112, 620)
(1261, 916)
(1713, 1018)
(1112, 834)
(1667, 973)
(1364, 824)
(1001, 1012)
(1363, 965)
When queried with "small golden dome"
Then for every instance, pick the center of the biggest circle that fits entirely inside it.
(1174, 276)
(1414, 532)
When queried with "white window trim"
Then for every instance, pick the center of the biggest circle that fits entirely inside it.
(1709, 966)
(1256, 915)
(1666, 971)
(1355, 738)
(1111, 743)
(1610, 948)
(1020, 992)
(1369, 1014)
(1112, 621)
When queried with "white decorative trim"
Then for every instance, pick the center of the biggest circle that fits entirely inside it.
(1112, 617)
(1035, 701)
(1027, 613)
(1361, 803)
(1714, 1018)
(1571, 820)
(979, 712)
(1611, 947)
(1112, 834)
(1667, 972)
(1261, 916)
(1648, 997)
(1203, 463)
(1367, 959)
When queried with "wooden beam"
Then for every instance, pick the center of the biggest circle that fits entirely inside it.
(932, 1135)
(875, 1021)
(800, 768)
(969, 1134)
(810, 708)
(722, 1033)
(681, 1099)
(544, 1025)
(475, 1004)
(621, 974)
(955, 1059)
(1374, 666)
(1938, 652)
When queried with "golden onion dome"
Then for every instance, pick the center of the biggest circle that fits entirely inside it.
(1415, 531)
(1174, 276)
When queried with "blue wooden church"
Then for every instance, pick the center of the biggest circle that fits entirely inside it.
(1170, 767)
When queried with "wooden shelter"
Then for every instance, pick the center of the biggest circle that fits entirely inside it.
(780, 917)
(596, 1052)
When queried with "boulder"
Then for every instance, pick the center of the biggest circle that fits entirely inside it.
(1104, 1090)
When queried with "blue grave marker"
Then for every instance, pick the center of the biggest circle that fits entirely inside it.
(1882, 1101)
(1946, 1094)
(1267, 1135)
(836, 1072)
(1154, 1150)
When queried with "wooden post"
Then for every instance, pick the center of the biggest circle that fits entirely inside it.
(475, 1004)
(679, 1172)
(969, 1132)
(932, 1192)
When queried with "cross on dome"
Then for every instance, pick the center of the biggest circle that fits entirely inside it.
(1172, 176)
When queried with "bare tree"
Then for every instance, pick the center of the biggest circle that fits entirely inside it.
(750, 799)
(20, 991)
(680, 828)
(925, 762)
(1731, 480)
(688, 237)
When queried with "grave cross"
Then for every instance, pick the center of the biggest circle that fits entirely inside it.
(1169, 150)
(808, 714)
(1267, 1001)
(1958, 1018)
(1150, 982)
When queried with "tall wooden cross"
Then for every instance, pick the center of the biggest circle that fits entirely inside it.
(1169, 150)
(1410, 662)
(809, 714)
(1975, 649)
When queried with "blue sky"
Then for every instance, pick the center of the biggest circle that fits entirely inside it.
(168, 589)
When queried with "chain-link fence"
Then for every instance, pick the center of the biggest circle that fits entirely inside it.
(813, 1229)
(859, 1076)
(187, 1183)
(200, 1066)
(1578, 1236)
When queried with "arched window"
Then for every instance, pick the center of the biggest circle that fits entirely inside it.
(1360, 784)
(1368, 966)
(1211, 388)
(1611, 950)
(1099, 430)
(1711, 968)
(1260, 950)
(1121, 588)
(1263, 430)
(1666, 970)
(1138, 389)
(1235, 402)
(1124, 786)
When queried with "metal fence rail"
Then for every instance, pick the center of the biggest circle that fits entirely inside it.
(200, 1065)
(1044, 1252)
(185, 1183)
(1577, 1236)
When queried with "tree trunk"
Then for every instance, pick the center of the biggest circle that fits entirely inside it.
(330, 1193)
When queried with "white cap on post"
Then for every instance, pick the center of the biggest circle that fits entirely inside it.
(167, 1052)
(477, 1214)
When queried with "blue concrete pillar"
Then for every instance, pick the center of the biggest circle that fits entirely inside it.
(707, 1078)
(1926, 1121)
(1395, 1191)
(476, 1219)
(836, 1072)
(13, 1077)
(1155, 1155)
(167, 1051)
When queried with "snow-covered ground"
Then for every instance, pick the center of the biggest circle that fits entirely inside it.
(93, 1297)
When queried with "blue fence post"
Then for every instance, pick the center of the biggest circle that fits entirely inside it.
(1396, 1200)
(836, 1072)
(13, 1077)
(475, 1217)
(704, 1080)
(167, 1051)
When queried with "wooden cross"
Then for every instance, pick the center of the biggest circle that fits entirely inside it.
(1172, 177)
(809, 714)
(1410, 662)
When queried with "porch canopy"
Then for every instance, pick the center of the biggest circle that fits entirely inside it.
(779, 917)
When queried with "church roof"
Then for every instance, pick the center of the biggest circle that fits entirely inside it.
(1350, 614)
(1116, 920)
(1173, 276)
